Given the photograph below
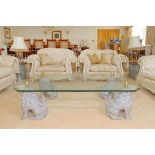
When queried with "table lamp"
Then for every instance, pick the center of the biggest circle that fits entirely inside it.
(135, 42)
(19, 47)
(134, 46)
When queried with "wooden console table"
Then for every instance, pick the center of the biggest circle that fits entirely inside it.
(135, 54)
(1, 49)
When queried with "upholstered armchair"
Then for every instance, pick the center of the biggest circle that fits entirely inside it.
(102, 71)
(9, 66)
(52, 61)
(146, 74)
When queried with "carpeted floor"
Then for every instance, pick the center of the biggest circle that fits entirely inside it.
(77, 110)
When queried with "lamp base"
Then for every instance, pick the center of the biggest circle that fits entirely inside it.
(22, 74)
(19, 55)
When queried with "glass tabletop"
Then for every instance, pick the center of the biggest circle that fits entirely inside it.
(46, 84)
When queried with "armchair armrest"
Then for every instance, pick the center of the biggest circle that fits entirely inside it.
(146, 63)
(86, 63)
(9, 61)
(34, 60)
(120, 61)
(141, 63)
(69, 61)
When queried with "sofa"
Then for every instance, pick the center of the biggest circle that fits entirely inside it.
(9, 67)
(52, 61)
(112, 66)
(146, 74)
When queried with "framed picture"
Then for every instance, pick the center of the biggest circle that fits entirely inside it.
(56, 35)
(7, 33)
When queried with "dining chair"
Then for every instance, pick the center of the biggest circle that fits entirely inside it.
(64, 43)
(28, 44)
(38, 44)
(51, 43)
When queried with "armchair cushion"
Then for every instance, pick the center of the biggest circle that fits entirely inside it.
(45, 59)
(5, 71)
(94, 59)
(51, 68)
(103, 68)
(106, 58)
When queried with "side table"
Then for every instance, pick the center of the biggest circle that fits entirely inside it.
(22, 70)
(1, 49)
(133, 70)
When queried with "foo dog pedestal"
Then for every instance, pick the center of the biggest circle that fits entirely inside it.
(118, 104)
(34, 106)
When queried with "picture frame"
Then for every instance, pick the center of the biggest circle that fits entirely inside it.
(56, 35)
(7, 33)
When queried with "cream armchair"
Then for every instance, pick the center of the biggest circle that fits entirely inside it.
(146, 74)
(102, 71)
(61, 62)
(9, 66)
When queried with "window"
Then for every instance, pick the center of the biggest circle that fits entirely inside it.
(139, 31)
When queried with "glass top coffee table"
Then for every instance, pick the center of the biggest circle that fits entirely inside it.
(34, 93)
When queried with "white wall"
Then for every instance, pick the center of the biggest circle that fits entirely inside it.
(1, 36)
(4, 40)
(75, 34)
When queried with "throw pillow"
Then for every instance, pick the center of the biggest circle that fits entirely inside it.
(93, 59)
(106, 58)
(45, 59)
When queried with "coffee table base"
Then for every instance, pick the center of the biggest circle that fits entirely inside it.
(50, 95)
(118, 104)
(34, 106)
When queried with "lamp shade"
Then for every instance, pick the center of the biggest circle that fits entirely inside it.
(135, 42)
(19, 45)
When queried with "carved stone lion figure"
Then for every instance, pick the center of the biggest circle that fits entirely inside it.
(119, 106)
(33, 106)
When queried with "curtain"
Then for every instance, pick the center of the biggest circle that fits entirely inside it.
(104, 36)
(150, 35)
(125, 39)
